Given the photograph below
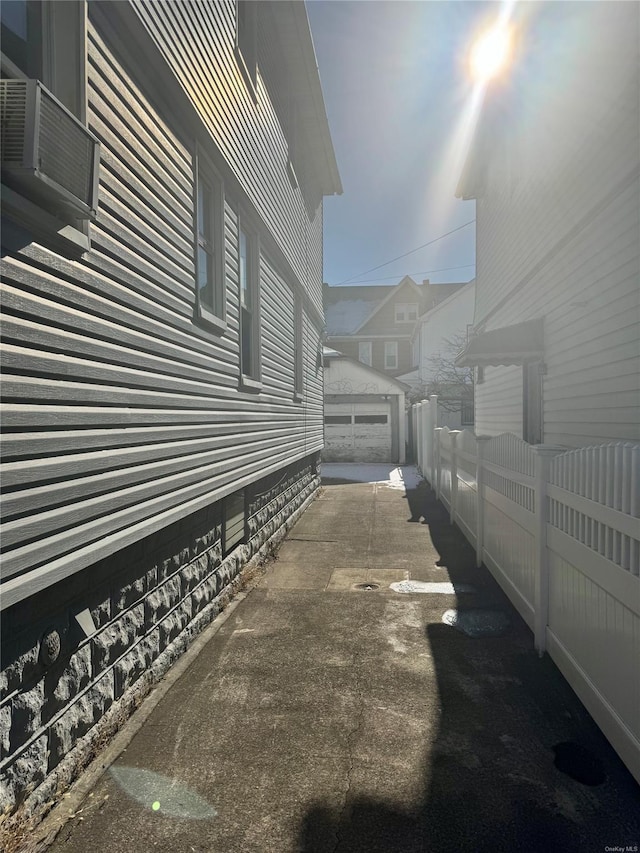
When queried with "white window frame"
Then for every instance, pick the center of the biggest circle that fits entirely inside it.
(209, 245)
(365, 352)
(390, 355)
(249, 343)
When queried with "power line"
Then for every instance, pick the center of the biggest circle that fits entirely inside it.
(423, 272)
(411, 252)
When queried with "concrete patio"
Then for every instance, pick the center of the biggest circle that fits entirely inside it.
(330, 712)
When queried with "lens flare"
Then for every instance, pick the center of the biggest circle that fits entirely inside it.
(491, 53)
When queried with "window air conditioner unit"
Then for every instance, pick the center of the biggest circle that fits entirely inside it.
(47, 154)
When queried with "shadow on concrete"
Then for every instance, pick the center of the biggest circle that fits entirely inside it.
(490, 782)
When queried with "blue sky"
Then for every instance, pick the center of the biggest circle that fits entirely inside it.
(395, 88)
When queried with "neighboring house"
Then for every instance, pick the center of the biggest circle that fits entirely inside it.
(364, 412)
(373, 324)
(161, 340)
(437, 339)
(556, 342)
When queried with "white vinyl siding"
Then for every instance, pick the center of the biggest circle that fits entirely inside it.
(123, 414)
(499, 401)
(571, 248)
(190, 36)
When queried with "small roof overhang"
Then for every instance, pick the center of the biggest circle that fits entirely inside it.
(515, 344)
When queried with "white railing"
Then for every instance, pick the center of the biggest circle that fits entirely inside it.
(560, 531)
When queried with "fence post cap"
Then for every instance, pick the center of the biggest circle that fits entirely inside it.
(548, 449)
(433, 398)
(484, 437)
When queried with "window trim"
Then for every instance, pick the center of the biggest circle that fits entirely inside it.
(361, 346)
(214, 316)
(250, 380)
(393, 344)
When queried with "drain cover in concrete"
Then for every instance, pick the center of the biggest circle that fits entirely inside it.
(343, 580)
(427, 587)
(477, 623)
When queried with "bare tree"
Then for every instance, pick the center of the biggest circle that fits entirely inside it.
(453, 385)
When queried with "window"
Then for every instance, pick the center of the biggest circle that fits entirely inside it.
(210, 289)
(406, 312)
(248, 278)
(364, 352)
(467, 414)
(337, 419)
(246, 42)
(298, 348)
(371, 419)
(390, 355)
(46, 42)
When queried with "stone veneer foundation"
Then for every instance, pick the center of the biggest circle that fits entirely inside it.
(147, 602)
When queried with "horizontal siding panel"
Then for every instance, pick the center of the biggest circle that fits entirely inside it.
(589, 367)
(42, 448)
(55, 366)
(42, 470)
(17, 388)
(114, 219)
(499, 401)
(24, 415)
(120, 412)
(104, 341)
(250, 139)
(145, 129)
(114, 487)
(147, 190)
(585, 433)
(133, 143)
(107, 514)
(131, 326)
(617, 385)
(121, 201)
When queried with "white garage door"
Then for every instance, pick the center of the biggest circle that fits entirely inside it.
(357, 432)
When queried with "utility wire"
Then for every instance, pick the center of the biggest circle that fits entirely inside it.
(423, 272)
(411, 252)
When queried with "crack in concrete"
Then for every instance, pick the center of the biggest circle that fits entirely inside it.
(310, 539)
(351, 741)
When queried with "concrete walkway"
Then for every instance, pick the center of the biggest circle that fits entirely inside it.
(331, 719)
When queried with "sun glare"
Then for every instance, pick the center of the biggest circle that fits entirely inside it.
(491, 53)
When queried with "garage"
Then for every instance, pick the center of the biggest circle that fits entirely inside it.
(357, 432)
(363, 413)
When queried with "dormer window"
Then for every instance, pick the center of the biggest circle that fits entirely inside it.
(406, 312)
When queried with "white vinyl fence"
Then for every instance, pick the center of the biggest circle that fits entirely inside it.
(560, 531)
